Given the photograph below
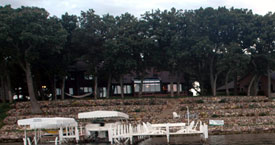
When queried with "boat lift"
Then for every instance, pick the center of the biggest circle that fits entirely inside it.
(68, 129)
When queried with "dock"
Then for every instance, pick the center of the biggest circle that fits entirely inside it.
(127, 133)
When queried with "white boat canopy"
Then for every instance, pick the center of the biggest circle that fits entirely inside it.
(47, 123)
(103, 114)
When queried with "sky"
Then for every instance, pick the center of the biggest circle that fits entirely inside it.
(137, 7)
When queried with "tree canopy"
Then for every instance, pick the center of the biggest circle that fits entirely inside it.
(212, 46)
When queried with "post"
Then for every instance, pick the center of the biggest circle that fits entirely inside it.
(66, 130)
(25, 133)
(205, 131)
(60, 135)
(188, 115)
(29, 141)
(56, 141)
(76, 134)
(25, 141)
(35, 140)
(167, 133)
(131, 133)
(110, 134)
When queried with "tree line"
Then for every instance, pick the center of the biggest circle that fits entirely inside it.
(211, 46)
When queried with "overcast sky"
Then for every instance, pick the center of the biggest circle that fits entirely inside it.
(137, 7)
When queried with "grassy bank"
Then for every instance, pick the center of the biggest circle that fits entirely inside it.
(3, 109)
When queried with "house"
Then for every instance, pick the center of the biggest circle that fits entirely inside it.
(155, 82)
(243, 83)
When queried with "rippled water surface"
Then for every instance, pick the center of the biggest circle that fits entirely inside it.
(240, 139)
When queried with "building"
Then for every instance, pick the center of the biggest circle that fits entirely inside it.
(243, 83)
(78, 82)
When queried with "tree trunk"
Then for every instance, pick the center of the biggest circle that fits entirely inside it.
(250, 84)
(41, 94)
(212, 81)
(109, 85)
(3, 95)
(268, 82)
(121, 86)
(140, 87)
(63, 88)
(256, 86)
(54, 88)
(215, 85)
(171, 89)
(95, 87)
(34, 104)
(178, 87)
(9, 89)
(236, 84)
(226, 83)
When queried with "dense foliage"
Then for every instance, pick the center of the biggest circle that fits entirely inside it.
(212, 46)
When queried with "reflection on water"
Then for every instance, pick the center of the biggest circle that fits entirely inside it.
(240, 139)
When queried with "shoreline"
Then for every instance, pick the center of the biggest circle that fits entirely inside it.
(241, 114)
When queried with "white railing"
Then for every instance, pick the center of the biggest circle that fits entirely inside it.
(126, 132)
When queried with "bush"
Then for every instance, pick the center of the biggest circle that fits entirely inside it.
(263, 114)
(253, 100)
(127, 103)
(200, 101)
(182, 108)
(250, 114)
(215, 116)
(152, 102)
(252, 106)
(223, 101)
(3, 109)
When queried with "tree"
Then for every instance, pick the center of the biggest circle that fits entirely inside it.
(122, 47)
(142, 47)
(167, 30)
(90, 37)
(110, 33)
(234, 61)
(263, 49)
(69, 53)
(33, 32)
(5, 52)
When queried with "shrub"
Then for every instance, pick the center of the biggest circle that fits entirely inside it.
(253, 100)
(127, 103)
(263, 114)
(250, 114)
(152, 102)
(200, 101)
(136, 102)
(3, 109)
(182, 108)
(223, 101)
(215, 116)
(252, 106)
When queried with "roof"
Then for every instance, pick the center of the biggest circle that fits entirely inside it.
(103, 114)
(47, 123)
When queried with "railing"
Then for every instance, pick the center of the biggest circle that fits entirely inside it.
(126, 132)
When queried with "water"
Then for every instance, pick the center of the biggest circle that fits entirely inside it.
(239, 139)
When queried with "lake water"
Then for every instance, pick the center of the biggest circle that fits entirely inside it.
(239, 139)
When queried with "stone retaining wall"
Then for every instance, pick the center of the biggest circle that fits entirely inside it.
(240, 113)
